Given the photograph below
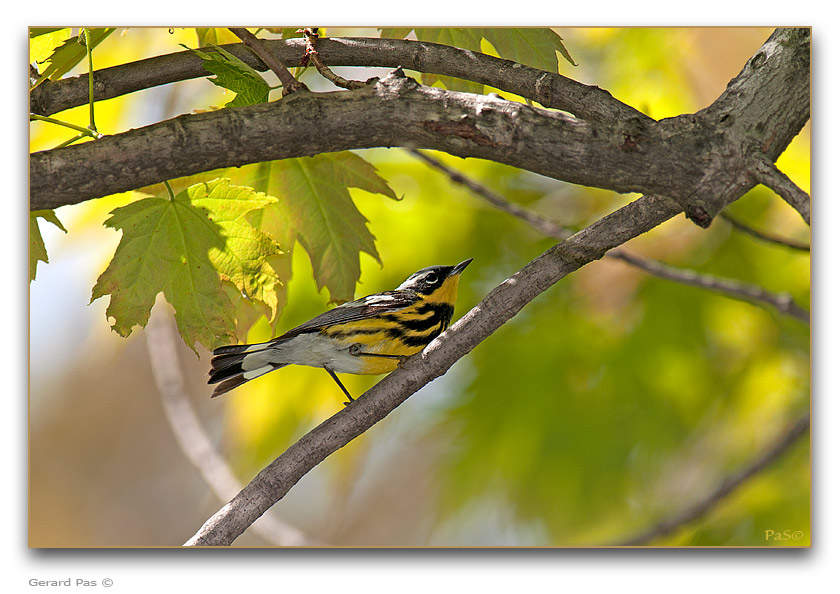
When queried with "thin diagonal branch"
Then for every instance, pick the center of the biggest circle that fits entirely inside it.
(161, 338)
(290, 83)
(764, 235)
(783, 302)
(538, 222)
(765, 172)
(500, 305)
(726, 487)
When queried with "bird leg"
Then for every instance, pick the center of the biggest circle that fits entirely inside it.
(340, 385)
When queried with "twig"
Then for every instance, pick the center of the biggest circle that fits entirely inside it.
(538, 222)
(765, 172)
(89, 52)
(782, 302)
(313, 56)
(725, 488)
(161, 340)
(80, 129)
(764, 235)
(289, 82)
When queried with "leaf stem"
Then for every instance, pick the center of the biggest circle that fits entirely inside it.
(169, 189)
(70, 141)
(89, 51)
(77, 128)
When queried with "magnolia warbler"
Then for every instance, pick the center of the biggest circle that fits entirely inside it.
(368, 336)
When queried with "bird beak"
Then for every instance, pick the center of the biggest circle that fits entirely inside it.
(456, 270)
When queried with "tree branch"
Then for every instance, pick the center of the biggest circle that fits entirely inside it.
(764, 235)
(313, 56)
(549, 89)
(394, 111)
(537, 221)
(697, 160)
(766, 172)
(782, 302)
(773, 88)
(501, 304)
(290, 83)
(726, 487)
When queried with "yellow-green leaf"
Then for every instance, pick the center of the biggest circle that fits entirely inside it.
(42, 42)
(185, 248)
(214, 36)
(531, 46)
(314, 201)
(235, 75)
(71, 52)
(37, 249)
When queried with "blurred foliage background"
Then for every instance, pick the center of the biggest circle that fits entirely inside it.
(610, 403)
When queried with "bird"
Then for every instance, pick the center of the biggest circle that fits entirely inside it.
(368, 336)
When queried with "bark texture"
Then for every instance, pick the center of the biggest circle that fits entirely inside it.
(704, 161)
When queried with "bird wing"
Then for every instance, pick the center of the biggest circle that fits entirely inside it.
(360, 309)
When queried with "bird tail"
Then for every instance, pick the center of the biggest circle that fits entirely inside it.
(232, 366)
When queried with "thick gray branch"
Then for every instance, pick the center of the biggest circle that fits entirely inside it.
(700, 160)
(500, 305)
(760, 112)
(394, 111)
(549, 89)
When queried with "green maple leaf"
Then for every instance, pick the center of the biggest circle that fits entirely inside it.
(37, 249)
(42, 42)
(531, 46)
(185, 248)
(276, 221)
(70, 53)
(235, 75)
(314, 204)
